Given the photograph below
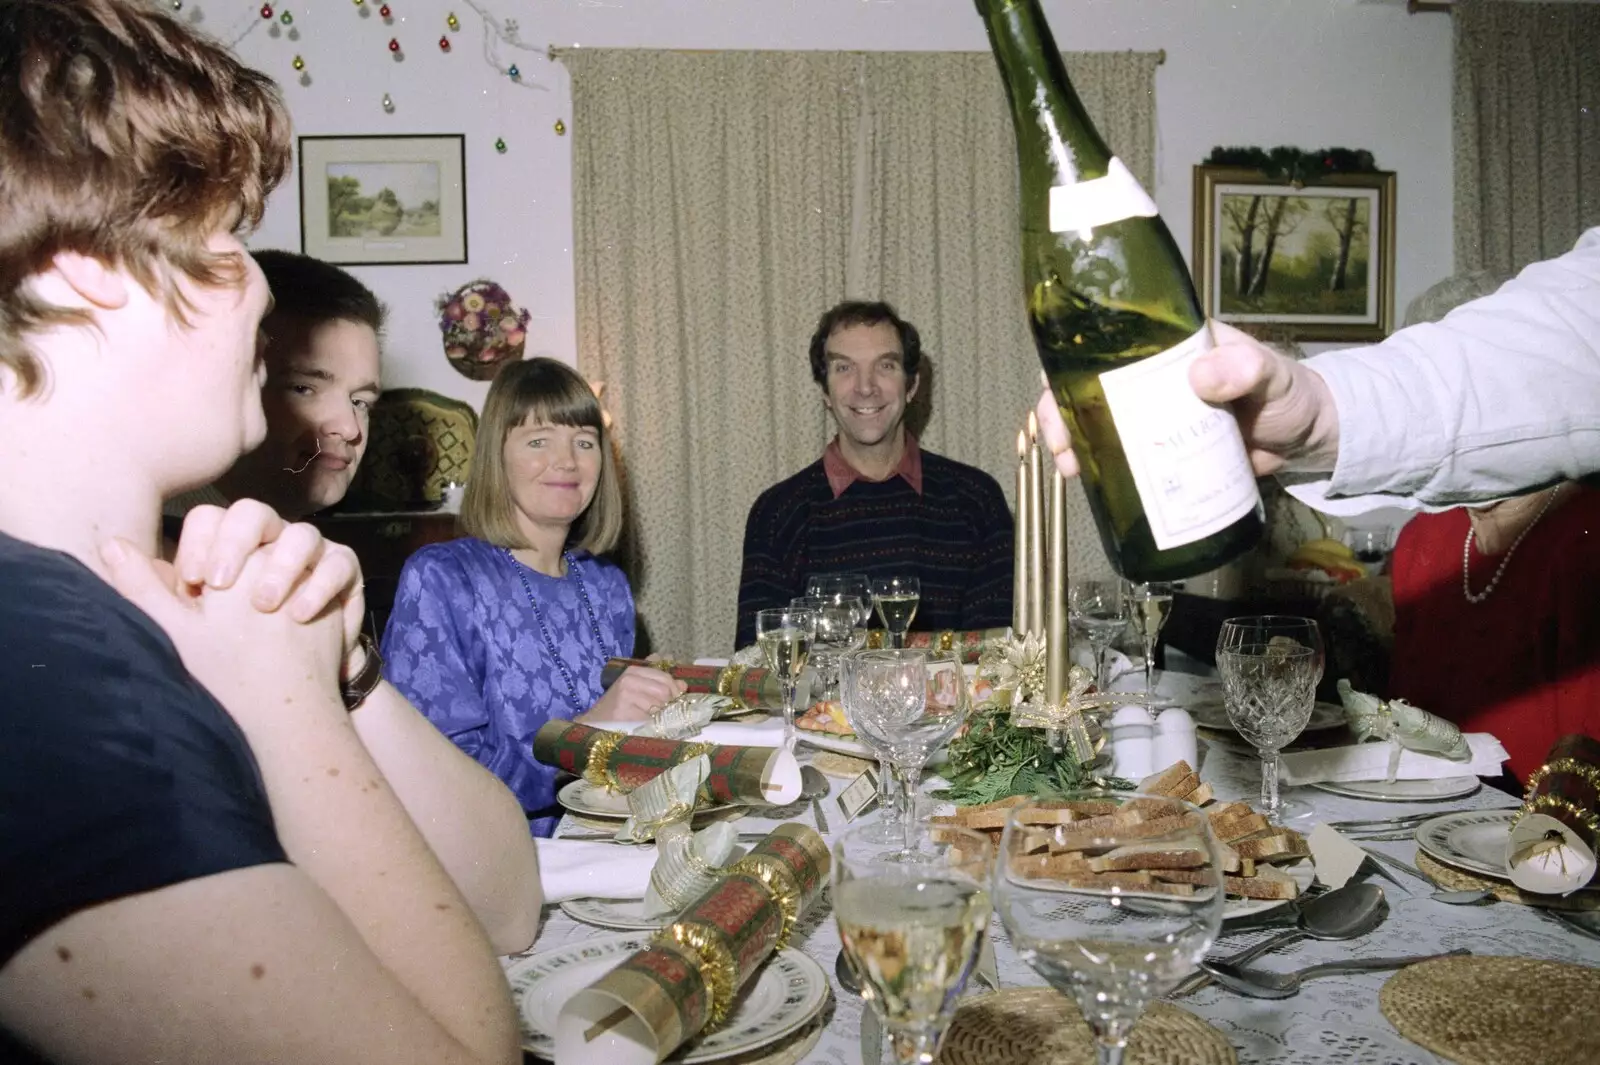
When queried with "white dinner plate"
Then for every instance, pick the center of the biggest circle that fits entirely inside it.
(582, 797)
(788, 991)
(1403, 790)
(1303, 873)
(623, 914)
(1474, 840)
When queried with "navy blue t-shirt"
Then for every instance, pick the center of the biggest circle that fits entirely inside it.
(119, 773)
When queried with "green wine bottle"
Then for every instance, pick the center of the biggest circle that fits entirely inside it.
(1116, 323)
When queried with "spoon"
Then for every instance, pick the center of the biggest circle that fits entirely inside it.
(814, 786)
(1260, 983)
(1343, 913)
(846, 974)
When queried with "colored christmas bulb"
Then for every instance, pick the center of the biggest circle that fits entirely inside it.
(266, 10)
(388, 104)
(561, 128)
(299, 64)
(514, 72)
(384, 10)
(286, 18)
(500, 145)
(444, 44)
(177, 5)
(453, 22)
(394, 45)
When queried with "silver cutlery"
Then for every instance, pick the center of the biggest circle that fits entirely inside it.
(1259, 983)
(871, 1035)
(814, 786)
(1399, 820)
(611, 837)
(1344, 913)
(1397, 864)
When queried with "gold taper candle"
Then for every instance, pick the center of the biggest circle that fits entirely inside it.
(1055, 661)
(1019, 554)
(1036, 591)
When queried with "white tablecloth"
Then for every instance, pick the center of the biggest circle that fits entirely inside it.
(1333, 1021)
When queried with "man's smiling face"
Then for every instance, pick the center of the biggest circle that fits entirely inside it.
(866, 384)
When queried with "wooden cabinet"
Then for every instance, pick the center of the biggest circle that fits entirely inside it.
(383, 542)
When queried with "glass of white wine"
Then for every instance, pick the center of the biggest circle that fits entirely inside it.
(896, 599)
(858, 585)
(785, 635)
(1113, 942)
(913, 929)
(1096, 607)
(1149, 606)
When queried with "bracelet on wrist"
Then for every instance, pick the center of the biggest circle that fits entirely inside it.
(356, 689)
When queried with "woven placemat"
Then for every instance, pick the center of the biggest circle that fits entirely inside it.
(1493, 1010)
(1038, 1026)
(1504, 890)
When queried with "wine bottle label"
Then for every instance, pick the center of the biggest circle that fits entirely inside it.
(1187, 457)
(1099, 201)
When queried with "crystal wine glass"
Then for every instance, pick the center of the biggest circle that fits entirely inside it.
(858, 585)
(896, 601)
(1270, 666)
(1149, 605)
(1096, 607)
(910, 703)
(888, 828)
(785, 635)
(837, 632)
(912, 921)
(1112, 941)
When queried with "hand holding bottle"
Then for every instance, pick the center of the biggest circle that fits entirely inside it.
(1284, 409)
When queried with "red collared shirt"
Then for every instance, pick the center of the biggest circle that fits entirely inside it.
(842, 475)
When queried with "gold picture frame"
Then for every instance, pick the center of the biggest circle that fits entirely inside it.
(1296, 262)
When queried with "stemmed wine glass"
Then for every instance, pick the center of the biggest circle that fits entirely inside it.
(896, 600)
(888, 827)
(1096, 607)
(909, 703)
(785, 635)
(912, 921)
(837, 632)
(1149, 604)
(1114, 944)
(858, 585)
(1270, 666)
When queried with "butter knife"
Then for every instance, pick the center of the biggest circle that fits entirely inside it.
(871, 1035)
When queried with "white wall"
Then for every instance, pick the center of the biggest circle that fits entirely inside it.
(1311, 73)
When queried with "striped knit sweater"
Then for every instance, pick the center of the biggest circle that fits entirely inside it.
(956, 538)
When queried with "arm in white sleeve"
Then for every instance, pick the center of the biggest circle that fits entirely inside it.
(1499, 397)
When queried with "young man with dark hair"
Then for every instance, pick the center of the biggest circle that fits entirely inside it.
(875, 502)
(221, 839)
(321, 349)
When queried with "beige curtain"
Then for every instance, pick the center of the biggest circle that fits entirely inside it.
(723, 200)
(1527, 130)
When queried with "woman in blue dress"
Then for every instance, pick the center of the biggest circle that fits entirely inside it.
(499, 632)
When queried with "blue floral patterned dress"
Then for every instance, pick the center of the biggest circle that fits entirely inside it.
(490, 650)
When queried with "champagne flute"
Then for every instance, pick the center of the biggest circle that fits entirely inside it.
(1270, 666)
(1149, 605)
(896, 601)
(912, 923)
(1113, 943)
(1096, 607)
(785, 635)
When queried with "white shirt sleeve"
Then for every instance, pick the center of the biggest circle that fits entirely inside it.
(1500, 396)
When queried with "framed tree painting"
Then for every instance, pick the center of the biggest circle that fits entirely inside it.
(1303, 262)
(375, 200)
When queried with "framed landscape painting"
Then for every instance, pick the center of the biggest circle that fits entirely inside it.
(373, 200)
(1314, 262)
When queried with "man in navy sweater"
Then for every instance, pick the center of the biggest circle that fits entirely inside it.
(875, 502)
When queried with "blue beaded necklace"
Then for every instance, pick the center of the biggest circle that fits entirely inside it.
(544, 629)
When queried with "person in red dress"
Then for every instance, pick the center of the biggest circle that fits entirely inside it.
(1497, 619)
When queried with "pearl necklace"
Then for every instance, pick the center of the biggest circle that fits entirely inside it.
(1466, 553)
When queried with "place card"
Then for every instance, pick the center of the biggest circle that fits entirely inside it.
(1337, 860)
(859, 795)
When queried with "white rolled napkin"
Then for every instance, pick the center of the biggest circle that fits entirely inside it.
(1370, 761)
(578, 869)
